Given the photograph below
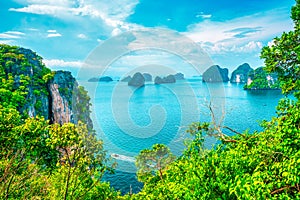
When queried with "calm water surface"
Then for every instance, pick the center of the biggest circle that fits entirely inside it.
(129, 119)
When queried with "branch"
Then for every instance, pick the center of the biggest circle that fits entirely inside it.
(281, 189)
(234, 131)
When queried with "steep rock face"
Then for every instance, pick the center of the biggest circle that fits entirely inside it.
(215, 74)
(167, 79)
(69, 102)
(126, 79)
(30, 87)
(147, 76)
(137, 80)
(259, 79)
(61, 89)
(240, 75)
(24, 68)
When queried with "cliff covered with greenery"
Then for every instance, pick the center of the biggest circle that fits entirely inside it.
(259, 79)
(34, 90)
(48, 149)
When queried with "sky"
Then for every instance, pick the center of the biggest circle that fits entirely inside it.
(65, 32)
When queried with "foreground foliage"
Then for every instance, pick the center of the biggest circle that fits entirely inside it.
(43, 161)
(261, 165)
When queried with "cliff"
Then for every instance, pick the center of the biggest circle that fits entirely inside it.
(215, 74)
(29, 86)
(137, 80)
(259, 79)
(240, 75)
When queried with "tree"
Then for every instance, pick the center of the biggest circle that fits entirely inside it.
(283, 57)
(81, 162)
(150, 161)
(260, 165)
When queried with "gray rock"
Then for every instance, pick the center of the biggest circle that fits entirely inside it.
(179, 76)
(126, 79)
(240, 75)
(147, 76)
(168, 79)
(137, 80)
(215, 74)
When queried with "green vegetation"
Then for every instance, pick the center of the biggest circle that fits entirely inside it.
(39, 160)
(42, 161)
(21, 71)
(260, 165)
(261, 80)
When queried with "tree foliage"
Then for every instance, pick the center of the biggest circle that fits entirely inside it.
(38, 160)
(260, 165)
(283, 57)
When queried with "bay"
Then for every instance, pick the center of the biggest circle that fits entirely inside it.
(131, 119)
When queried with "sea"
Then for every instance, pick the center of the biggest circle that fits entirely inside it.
(130, 119)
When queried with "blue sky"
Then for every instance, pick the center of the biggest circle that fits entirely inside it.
(64, 32)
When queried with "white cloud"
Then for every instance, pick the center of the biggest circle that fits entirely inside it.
(241, 34)
(252, 46)
(111, 13)
(82, 36)
(11, 35)
(204, 16)
(51, 35)
(41, 10)
(62, 63)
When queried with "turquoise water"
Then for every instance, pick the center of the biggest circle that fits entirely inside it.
(130, 119)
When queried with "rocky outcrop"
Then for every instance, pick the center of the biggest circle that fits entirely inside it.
(240, 75)
(101, 79)
(147, 76)
(215, 74)
(69, 102)
(179, 76)
(126, 79)
(54, 95)
(167, 79)
(259, 79)
(137, 80)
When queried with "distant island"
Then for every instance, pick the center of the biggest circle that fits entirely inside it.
(101, 79)
(139, 79)
(252, 79)
(168, 79)
(215, 74)
(240, 75)
(259, 79)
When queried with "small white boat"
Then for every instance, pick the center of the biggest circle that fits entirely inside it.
(122, 157)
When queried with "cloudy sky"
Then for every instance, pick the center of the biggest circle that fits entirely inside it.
(64, 32)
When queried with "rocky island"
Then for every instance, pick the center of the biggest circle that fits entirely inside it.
(167, 79)
(240, 75)
(137, 80)
(259, 79)
(101, 79)
(215, 74)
